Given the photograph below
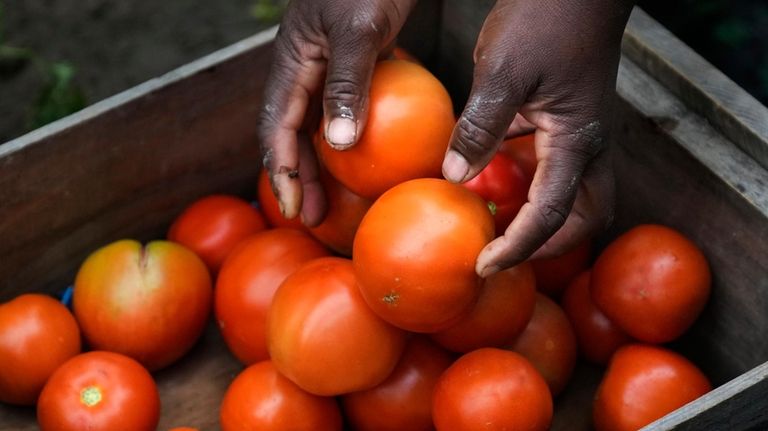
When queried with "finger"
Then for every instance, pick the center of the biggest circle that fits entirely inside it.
(355, 43)
(564, 157)
(313, 207)
(499, 87)
(592, 213)
(296, 73)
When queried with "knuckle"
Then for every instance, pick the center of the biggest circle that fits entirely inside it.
(474, 139)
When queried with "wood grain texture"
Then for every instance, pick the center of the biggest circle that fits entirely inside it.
(124, 167)
(702, 87)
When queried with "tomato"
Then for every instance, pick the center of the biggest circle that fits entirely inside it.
(644, 383)
(323, 336)
(501, 313)
(410, 120)
(37, 334)
(402, 402)
(248, 281)
(183, 429)
(261, 399)
(523, 150)
(491, 389)
(150, 303)
(504, 183)
(596, 335)
(213, 225)
(271, 208)
(98, 391)
(554, 274)
(549, 343)
(415, 250)
(345, 211)
(651, 281)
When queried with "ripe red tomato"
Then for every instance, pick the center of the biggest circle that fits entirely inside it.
(323, 336)
(402, 402)
(410, 120)
(415, 250)
(504, 183)
(554, 274)
(549, 343)
(271, 208)
(345, 211)
(493, 389)
(248, 281)
(501, 313)
(98, 391)
(523, 150)
(642, 384)
(213, 225)
(150, 303)
(598, 338)
(183, 429)
(651, 281)
(262, 399)
(37, 334)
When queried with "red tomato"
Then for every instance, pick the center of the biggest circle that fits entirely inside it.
(345, 211)
(491, 389)
(410, 120)
(271, 208)
(504, 183)
(651, 281)
(402, 402)
(642, 384)
(213, 225)
(501, 313)
(523, 150)
(549, 343)
(553, 275)
(98, 391)
(248, 281)
(37, 334)
(262, 399)
(150, 303)
(183, 429)
(323, 336)
(596, 335)
(414, 253)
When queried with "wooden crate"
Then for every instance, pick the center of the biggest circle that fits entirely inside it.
(691, 151)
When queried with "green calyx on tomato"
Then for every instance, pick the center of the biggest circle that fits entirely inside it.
(492, 207)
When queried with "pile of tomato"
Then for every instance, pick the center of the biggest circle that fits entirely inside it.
(375, 319)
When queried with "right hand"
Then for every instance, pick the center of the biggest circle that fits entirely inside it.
(341, 41)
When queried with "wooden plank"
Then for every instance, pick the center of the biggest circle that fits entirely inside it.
(158, 146)
(737, 405)
(702, 87)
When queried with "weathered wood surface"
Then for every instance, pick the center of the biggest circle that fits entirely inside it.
(125, 166)
(700, 86)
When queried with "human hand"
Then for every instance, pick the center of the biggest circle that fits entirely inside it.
(548, 66)
(338, 40)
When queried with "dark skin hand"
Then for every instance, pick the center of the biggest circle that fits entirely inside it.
(543, 65)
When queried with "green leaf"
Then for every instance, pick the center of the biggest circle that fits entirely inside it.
(59, 97)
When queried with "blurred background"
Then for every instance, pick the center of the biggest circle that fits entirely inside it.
(57, 56)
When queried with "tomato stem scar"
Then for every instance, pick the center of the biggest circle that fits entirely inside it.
(90, 396)
(390, 298)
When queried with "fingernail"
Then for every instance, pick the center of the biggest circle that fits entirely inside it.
(489, 270)
(455, 167)
(341, 132)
